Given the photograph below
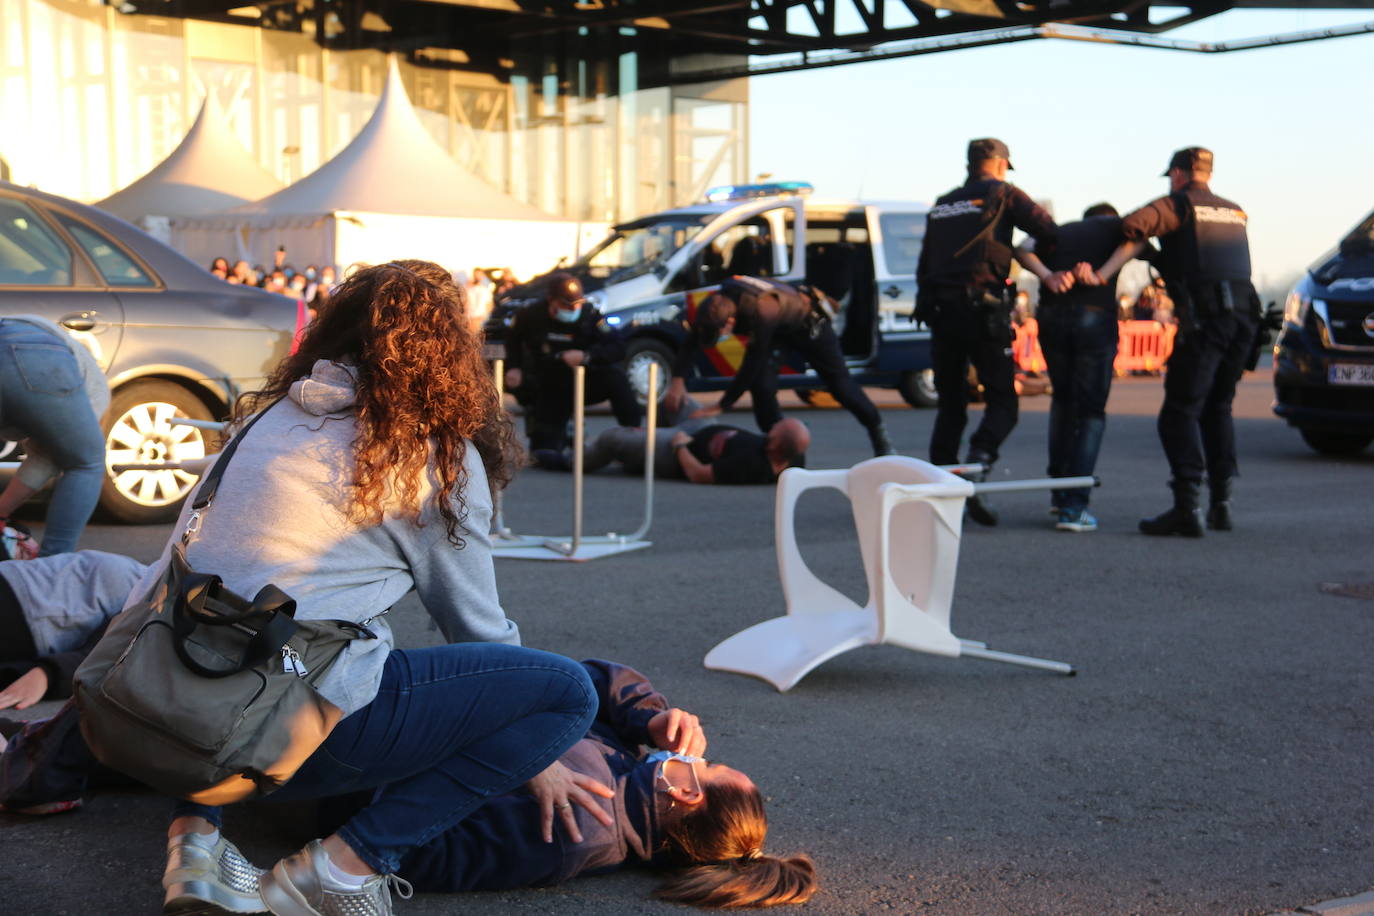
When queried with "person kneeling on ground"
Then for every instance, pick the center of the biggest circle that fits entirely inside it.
(703, 453)
(671, 809)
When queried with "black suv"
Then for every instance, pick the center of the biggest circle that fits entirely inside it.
(1324, 357)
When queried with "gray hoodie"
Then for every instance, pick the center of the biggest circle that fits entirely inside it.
(280, 517)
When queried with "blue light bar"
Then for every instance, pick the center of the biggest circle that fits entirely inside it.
(748, 191)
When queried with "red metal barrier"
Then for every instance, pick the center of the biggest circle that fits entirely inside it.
(1144, 346)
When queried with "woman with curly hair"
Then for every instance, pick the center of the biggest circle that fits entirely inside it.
(368, 473)
(702, 823)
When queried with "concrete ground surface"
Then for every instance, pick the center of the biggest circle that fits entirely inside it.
(1212, 756)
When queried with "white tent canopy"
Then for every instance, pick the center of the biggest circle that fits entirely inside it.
(208, 172)
(392, 192)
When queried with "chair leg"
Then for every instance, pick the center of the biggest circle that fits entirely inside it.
(1026, 661)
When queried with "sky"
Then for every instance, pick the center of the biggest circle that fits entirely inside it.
(1292, 128)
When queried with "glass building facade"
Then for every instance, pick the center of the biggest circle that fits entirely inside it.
(583, 125)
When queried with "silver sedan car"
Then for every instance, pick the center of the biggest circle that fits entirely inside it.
(174, 340)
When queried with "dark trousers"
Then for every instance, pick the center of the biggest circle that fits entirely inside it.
(553, 401)
(1195, 425)
(819, 346)
(958, 337)
(1079, 344)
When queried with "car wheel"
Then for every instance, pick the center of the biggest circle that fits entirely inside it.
(815, 397)
(642, 354)
(138, 430)
(918, 388)
(1336, 442)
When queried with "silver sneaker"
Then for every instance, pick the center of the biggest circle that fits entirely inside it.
(300, 885)
(205, 878)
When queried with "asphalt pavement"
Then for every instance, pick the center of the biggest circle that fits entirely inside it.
(1213, 755)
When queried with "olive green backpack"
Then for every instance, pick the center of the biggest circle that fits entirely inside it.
(205, 695)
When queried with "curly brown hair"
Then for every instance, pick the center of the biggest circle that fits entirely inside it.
(423, 390)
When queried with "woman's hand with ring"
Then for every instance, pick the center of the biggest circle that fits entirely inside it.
(557, 788)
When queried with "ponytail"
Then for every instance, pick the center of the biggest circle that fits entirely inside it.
(720, 843)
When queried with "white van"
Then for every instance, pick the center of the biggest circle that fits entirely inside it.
(649, 274)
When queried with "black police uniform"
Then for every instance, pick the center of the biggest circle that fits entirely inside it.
(962, 294)
(1205, 262)
(533, 345)
(802, 324)
(1078, 335)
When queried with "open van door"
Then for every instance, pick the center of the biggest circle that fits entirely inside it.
(748, 240)
(903, 343)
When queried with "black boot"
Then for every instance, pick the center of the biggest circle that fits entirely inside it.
(882, 445)
(977, 506)
(1183, 519)
(1219, 505)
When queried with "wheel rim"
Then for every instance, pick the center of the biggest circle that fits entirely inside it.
(925, 382)
(637, 369)
(144, 434)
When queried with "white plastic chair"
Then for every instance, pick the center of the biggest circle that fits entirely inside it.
(908, 516)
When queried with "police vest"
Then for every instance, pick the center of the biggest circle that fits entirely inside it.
(968, 235)
(1210, 246)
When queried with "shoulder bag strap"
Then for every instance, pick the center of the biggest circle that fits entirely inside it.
(210, 483)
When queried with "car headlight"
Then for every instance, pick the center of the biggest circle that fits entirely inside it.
(1295, 308)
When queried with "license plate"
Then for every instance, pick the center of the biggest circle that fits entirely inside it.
(493, 351)
(1351, 374)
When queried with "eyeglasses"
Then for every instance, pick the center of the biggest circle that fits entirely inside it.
(679, 771)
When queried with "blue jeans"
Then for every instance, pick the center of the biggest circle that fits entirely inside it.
(450, 727)
(42, 394)
(1079, 343)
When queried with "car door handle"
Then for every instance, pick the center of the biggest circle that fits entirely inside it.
(892, 292)
(79, 321)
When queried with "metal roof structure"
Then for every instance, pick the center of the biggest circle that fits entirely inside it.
(739, 37)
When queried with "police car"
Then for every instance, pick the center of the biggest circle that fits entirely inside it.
(649, 275)
(1324, 355)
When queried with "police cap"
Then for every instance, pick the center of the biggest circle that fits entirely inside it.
(1192, 159)
(988, 148)
(564, 287)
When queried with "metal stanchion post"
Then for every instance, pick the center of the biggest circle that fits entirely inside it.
(579, 434)
(650, 443)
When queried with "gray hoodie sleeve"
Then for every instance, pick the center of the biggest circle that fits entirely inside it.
(458, 586)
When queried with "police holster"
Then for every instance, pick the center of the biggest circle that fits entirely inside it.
(993, 308)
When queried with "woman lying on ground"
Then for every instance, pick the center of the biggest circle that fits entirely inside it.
(369, 474)
(671, 810)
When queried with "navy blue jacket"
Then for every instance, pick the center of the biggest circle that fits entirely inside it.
(498, 847)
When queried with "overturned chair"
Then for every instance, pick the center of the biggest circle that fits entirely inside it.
(908, 516)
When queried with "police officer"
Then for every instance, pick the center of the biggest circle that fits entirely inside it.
(964, 297)
(774, 315)
(547, 341)
(1205, 262)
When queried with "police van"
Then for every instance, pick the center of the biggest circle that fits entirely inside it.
(649, 275)
(1324, 355)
